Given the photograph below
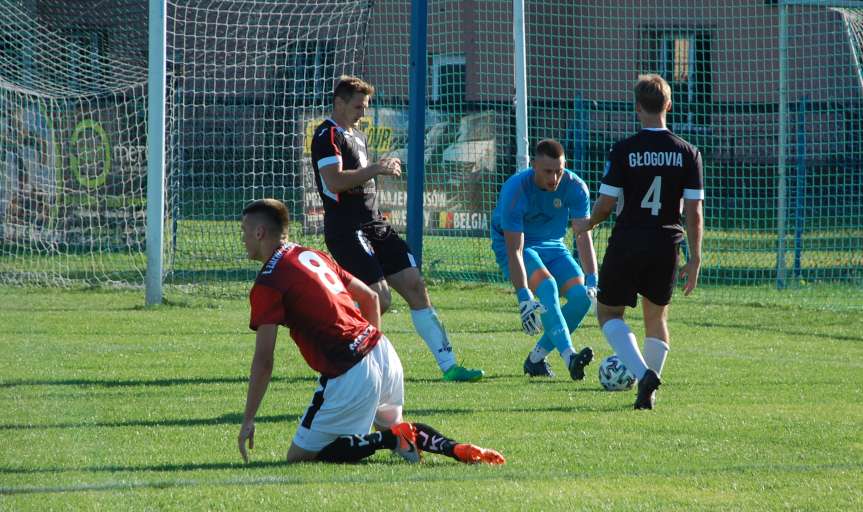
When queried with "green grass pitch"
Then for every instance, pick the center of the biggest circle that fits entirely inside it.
(108, 405)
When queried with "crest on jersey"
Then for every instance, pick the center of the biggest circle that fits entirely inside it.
(557, 202)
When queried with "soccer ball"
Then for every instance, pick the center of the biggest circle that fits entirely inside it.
(614, 376)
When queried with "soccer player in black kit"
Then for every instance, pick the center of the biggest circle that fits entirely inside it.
(653, 177)
(357, 235)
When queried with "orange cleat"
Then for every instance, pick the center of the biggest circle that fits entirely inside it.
(406, 442)
(473, 454)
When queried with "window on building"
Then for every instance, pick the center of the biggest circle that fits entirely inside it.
(311, 69)
(10, 54)
(683, 59)
(81, 65)
(447, 78)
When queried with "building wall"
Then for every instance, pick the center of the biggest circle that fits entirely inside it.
(581, 55)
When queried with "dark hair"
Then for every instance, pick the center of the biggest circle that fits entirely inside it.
(548, 147)
(652, 92)
(272, 211)
(348, 85)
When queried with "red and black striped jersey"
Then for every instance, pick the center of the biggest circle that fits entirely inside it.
(306, 291)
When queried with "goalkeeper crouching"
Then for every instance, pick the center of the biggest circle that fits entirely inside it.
(528, 226)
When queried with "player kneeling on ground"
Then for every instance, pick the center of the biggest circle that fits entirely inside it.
(361, 380)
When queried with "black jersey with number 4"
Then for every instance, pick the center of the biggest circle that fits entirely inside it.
(650, 174)
(332, 144)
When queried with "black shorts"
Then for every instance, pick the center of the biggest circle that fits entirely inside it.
(370, 252)
(638, 262)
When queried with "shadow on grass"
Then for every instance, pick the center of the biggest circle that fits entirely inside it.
(411, 414)
(237, 418)
(281, 479)
(189, 466)
(225, 419)
(761, 329)
(192, 381)
(116, 383)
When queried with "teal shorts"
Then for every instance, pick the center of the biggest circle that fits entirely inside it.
(552, 256)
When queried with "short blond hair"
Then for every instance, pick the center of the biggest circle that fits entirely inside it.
(653, 93)
(348, 85)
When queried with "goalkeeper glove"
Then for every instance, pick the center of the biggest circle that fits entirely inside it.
(530, 310)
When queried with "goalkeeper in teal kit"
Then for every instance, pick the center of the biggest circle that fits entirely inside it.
(528, 226)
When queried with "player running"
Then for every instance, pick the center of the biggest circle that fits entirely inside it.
(528, 226)
(356, 234)
(652, 176)
(361, 379)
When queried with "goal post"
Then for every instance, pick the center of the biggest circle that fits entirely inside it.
(156, 101)
(785, 120)
(416, 131)
(771, 92)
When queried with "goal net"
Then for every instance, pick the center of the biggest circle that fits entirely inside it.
(774, 103)
(249, 80)
(792, 206)
(72, 146)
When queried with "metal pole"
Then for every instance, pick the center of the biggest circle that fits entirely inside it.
(800, 193)
(156, 151)
(416, 128)
(783, 128)
(520, 76)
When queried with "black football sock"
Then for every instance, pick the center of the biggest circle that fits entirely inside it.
(354, 448)
(432, 441)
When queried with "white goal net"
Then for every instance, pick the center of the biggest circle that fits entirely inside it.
(72, 150)
(771, 93)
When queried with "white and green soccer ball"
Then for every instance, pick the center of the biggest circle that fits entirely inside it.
(614, 376)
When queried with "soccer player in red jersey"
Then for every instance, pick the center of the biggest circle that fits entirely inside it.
(361, 381)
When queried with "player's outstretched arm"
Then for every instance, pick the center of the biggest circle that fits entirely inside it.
(586, 252)
(368, 301)
(694, 234)
(529, 308)
(602, 208)
(587, 257)
(515, 259)
(259, 379)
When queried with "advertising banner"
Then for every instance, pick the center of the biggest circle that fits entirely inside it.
(74, 173)
(460, 161)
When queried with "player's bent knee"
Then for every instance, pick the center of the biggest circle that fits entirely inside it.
(538, 277)
(577, 295)
(385, 297)
(388, 415)
(546, 291)
(297, 454)
(575, 282)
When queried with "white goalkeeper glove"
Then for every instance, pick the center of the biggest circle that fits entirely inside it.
(530, 310)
